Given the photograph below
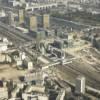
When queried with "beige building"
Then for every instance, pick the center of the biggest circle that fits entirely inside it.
(46, 21)
(33, 23)
(21, 14)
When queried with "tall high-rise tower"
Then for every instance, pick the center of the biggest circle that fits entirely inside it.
(33, 23)
(21, 15)
(46, 21)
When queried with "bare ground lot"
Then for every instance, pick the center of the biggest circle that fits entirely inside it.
(9, 72)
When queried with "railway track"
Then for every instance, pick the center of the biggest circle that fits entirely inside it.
(16, 39)
(73, 71)
(12, 30)
(88, 73)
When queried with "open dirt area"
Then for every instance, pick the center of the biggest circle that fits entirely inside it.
(9, 72)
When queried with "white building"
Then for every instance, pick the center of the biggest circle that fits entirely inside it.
(27, 96)
(22, 55)
(5, 40)
(36, 76)
(3, 93)
(28, 63)
(3, 47)
(15, 99)
(36, 88)
(15, 92)
(80, 85)
(23, 30)
(61, 95)
(2, 13)
(16, 2)
(19, 62)
(32, 6)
